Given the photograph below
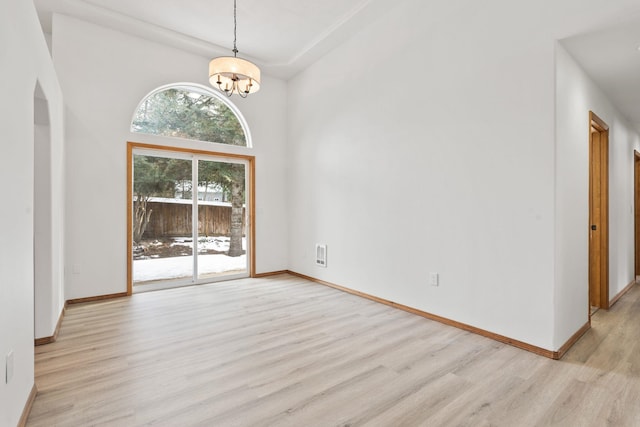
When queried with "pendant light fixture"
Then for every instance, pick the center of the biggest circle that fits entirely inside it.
(231, 74)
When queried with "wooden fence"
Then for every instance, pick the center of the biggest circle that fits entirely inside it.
(174, 220)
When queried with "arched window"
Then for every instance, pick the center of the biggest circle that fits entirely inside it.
(191, 111)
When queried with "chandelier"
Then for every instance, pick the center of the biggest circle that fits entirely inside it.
(231, 74)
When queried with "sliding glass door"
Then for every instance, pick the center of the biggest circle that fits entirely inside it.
(162, 229)
(189, 216)
(221, 241)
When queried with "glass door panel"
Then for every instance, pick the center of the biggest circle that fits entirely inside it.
(162, 220)
(222, 220)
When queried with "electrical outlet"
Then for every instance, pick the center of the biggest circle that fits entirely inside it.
(9, 367)
(434, 279)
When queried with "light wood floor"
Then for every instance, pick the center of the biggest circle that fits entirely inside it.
(286, 352)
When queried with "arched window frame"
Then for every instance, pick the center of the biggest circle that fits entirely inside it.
(203, 90)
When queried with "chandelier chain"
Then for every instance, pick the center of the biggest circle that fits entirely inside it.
(235, 29)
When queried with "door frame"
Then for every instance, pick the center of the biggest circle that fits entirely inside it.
(636, 209)
(597, 125)
(131, 146)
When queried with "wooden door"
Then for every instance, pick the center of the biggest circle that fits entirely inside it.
(598, 213)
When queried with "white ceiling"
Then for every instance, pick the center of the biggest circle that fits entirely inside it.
(612, 59)
(281, 36)
(285, 36)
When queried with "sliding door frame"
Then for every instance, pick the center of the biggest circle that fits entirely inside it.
(131, 146)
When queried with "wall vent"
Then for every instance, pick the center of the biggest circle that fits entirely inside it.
(321, 255)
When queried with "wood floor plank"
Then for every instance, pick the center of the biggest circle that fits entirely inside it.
(282, 351)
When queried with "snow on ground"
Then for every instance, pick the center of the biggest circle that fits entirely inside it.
(172, 268)
(220, 243)
(145, 270)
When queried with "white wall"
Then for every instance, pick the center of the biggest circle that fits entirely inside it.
(43, 245)
(465, 144)
(25, 60)
(576, 95)
(104, 74)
